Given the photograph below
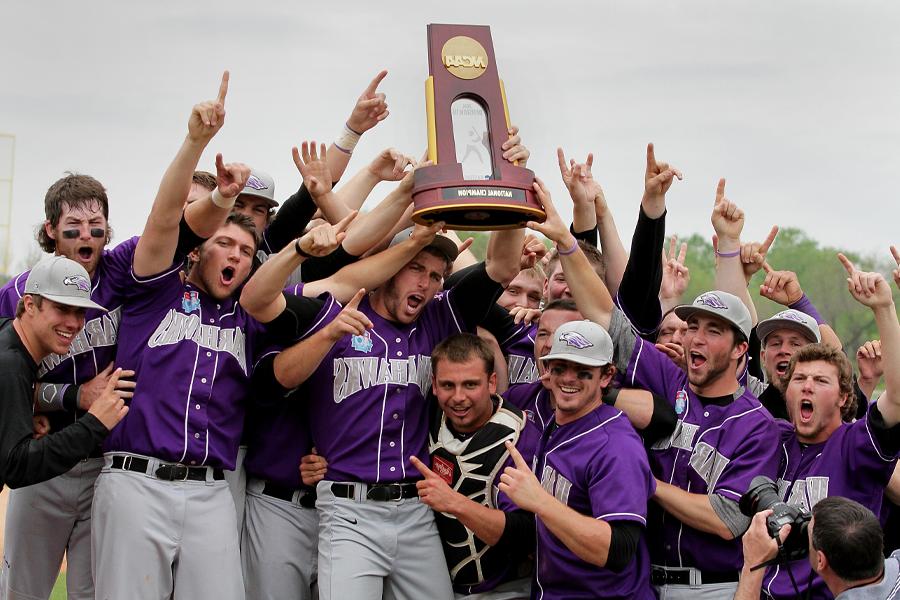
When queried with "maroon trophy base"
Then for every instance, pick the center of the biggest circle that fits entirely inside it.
(441, 194)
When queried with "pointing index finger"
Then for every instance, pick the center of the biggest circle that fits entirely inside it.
(516, 456)
(343, 223)
(720, 191)
(847, 264)
(420, 466)
(357, 298)
(768, 242)
(896, 254)
(223, 87)
(373, 85)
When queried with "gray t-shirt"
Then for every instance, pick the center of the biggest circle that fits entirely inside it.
(886, 589)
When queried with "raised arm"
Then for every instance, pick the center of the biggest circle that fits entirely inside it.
(587, 288)
(312, 162)
(296, 364)
(371, 227)
(584, 217)
(261, 296)
(370, 109)
(156, 249)
(374, 270)
(610, 242)
(728, 221)
(389, 165)
(638, 293)
(784, 288)
(676, 276)
(872, 290)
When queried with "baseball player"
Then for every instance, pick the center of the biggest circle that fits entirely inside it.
(49, 316)
(591, 499)
(52, 518)
(822, 455)
(280, 538)
(485, 536)
(374, 533)
(723, 438)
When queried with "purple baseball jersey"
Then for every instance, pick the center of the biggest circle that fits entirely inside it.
(534, 400)
(95, 346)
(850, 464)
(192, 356)
(519, 351)
(368, 408)
(596, 466)
(715, 449)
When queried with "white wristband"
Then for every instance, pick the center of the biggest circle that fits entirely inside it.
(346, 140)
(221, 201)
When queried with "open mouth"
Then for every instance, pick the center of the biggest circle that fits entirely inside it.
(781, 368)
(567, 389)
(697, 360)
(806, 410)
(65, 336)
(459, 411)
(414, 301)
(85, 253)
(227, 275)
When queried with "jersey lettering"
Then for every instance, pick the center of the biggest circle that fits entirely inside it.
(556, 484)
(521, 369)
(98, 332)
(682, 437)
(708, 463)
(805, 493)
(177, 326)
(352, 374)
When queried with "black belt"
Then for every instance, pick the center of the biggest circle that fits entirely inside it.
(661, 576)
(379, 492)
(165, 471)
(307, 497)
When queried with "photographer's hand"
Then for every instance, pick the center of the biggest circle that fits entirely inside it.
(759, 547)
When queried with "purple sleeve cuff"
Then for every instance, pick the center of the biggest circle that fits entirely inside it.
(804, 305)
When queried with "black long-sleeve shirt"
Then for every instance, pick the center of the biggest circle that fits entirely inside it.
(24, 460)
(639, 291)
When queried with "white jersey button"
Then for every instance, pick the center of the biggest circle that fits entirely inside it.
(399, 353)
(203, 380)
(396, 416)
(208, 354)
(393, 444)
(398, 340)
(706, 413)
(393, 469)
(196, 436)
(197, 406)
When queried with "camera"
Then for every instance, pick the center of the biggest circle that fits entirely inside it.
(763, 495)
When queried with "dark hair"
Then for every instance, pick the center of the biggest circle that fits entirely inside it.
(204, 179)
(20, 307)
(850, 537)
(594, 256)
(461, 347)
(562, 304)
(832, 356)
(73, 191)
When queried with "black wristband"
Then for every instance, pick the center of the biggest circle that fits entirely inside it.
(610, 397)
(301, 251)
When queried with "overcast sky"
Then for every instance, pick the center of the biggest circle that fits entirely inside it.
(796, 103)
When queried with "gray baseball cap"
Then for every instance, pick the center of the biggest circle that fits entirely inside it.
(800, 322)
(583, 343)
(722, 305)
(441, 243)
(61, 280)
(260, 184)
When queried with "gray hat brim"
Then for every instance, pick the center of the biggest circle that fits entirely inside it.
(686, 311)
(766, 327)
(72, 301)
(577, 359)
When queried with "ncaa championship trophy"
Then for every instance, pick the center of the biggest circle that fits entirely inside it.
(469, 186)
